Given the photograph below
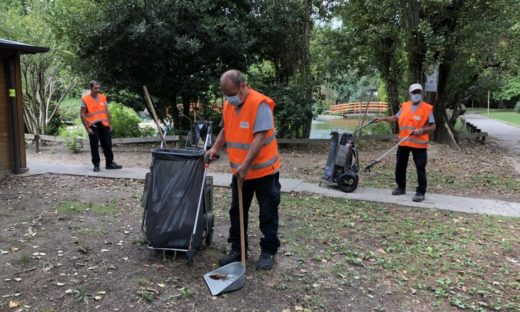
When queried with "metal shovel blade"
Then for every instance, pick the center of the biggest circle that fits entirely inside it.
(228, 278)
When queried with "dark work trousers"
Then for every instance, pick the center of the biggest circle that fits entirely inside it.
(101, 134)
(420, 158)
(267, 190)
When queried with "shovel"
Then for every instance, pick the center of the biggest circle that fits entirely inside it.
(232, 276)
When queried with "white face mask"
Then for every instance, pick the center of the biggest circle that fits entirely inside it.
(416, 98)
(233, 100)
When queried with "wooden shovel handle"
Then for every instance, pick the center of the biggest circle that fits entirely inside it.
(242, 227)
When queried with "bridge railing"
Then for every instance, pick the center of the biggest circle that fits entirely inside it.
(359, 107)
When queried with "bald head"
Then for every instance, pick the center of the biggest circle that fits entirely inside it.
(233, 83)
(233, 76)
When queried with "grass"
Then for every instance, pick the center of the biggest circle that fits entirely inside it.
(509, 117)
(456, 259)
(72, 207)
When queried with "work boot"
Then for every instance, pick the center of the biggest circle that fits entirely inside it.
(265, 262)
(419, 197)
(96, 168)
(399, 191)
(232, 256)
(113, 165)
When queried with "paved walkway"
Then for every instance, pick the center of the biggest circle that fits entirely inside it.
(506, 135)
(433, 201)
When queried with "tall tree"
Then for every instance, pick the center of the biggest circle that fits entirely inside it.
(46, 79)
(177, 48)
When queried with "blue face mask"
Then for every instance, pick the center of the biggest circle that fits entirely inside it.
(233, 100)
(416, 98)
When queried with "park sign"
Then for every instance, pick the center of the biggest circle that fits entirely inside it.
(431, 81)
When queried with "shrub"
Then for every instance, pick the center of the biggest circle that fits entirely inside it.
(148, 131)
(378, 128)
(69, 109)
(517, 107)
(124, 121)
(73, 138)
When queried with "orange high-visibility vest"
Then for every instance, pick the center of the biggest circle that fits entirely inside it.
(238, 130)
(96, 110)
(409, 121)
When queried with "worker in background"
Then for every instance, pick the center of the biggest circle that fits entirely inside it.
(96, 120)
(416, 123)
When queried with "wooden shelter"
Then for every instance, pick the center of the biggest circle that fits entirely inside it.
(12, 144)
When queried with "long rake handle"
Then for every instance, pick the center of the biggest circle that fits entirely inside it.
(154, 115)
(242, 227)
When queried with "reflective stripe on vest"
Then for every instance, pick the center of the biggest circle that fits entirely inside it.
(247, 146)
(262, 165)
(239, 135)
(410, 121)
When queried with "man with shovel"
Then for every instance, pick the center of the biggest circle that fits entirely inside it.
(416, 122)
(248, 132)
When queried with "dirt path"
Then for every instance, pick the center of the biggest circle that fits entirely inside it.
(75, 244)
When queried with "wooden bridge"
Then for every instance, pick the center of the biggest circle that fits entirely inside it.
(359, 108)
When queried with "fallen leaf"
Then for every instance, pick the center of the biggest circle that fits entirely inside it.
(104, 250)
(69, 291)
(14, 249)
(14, 304)
(60, 284)
(17, 279)
(101, 292)
(97, 298)
(161, 285)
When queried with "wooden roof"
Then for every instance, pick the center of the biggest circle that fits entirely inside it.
(22, 47)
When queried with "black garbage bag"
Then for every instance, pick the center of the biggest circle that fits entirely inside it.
(172, 202)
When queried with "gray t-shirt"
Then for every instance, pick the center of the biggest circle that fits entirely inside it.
(263, 119)
(414, 108)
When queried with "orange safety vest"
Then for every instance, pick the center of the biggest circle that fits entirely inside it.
(238, 130)
(409, 121)
(96, 110)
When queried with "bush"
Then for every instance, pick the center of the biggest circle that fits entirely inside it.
(73, 138)
(124, 121)
(55, 124)
(69, 109)
(517, 107)
(148, 131)
(378, 128)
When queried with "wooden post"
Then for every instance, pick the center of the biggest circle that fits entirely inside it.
(36, 143)
(489, 96)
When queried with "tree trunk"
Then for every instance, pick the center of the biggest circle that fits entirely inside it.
(444, 133)
(307, 75)
(415, 40)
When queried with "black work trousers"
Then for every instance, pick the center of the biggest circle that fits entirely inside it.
(101, 134)
(267, 190)
(420, 158)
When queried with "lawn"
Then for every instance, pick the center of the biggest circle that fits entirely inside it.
(509, 117)
(74, 244)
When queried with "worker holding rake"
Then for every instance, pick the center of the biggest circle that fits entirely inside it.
(416, 122)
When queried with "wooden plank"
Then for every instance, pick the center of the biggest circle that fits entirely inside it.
(5, 123)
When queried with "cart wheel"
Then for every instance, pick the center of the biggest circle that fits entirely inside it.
(209, 233)
(348, 182)
(190, 257)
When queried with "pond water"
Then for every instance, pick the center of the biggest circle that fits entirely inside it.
(321, 128)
